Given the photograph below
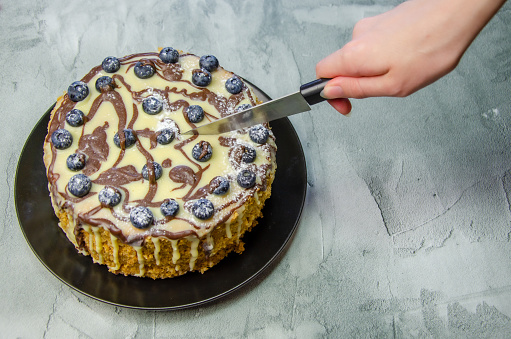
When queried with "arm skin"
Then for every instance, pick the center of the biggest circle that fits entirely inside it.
(403, 50)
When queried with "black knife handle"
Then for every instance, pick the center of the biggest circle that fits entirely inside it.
(310, 91)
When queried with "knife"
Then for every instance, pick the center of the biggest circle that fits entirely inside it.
(271, 110)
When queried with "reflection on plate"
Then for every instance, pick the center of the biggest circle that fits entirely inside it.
(264, 243)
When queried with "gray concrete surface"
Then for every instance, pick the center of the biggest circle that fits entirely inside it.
(407, 225)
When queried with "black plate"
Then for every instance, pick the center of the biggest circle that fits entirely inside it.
(262, 246)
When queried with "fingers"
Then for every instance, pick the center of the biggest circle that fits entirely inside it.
(342, 106)
(330, 66)
(356, 59)
(359, 88)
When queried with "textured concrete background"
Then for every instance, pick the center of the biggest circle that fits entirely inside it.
(407, 225)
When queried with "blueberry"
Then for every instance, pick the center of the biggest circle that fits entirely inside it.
(234, 85)
(76, 161)
(79, 185)
(169, 207)
(259, 134)
(111, 64)
(169, 55)
(158, 170)
(141, 217)
(61, 139)
(220, 184)
(249, 154)
(195, 113)
(202, 151)
(208, 62)
(201, 77)
(105, 83)
(243, 107)
(129, 138)
(165, 136)
(109, 196)
(152, 105)
(246, 178)
(144, 71)
(203, 209)
(75, 117)
(78, 91)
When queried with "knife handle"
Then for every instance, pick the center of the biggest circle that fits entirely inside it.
(310, 91)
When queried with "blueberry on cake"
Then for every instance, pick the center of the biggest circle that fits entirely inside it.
(133, 192)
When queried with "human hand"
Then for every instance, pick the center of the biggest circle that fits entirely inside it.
(403, 50)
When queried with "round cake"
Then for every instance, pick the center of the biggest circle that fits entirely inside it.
(136, 194)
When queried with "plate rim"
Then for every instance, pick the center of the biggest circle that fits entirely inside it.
(284, 246)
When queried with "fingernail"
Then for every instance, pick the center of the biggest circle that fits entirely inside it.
(347, 115)
(332, 92)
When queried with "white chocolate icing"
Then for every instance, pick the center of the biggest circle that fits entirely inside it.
(141, 260)
(156, 243)
(115, 245)
(175, 252)
(97, 241)
(194, 253)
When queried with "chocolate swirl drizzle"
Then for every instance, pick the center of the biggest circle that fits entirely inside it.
(95, 147)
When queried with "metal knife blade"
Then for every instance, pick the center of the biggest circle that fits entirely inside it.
(271, 110)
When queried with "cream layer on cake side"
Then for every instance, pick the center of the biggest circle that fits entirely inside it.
(107, 232)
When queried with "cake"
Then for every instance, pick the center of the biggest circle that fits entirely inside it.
(133, 192)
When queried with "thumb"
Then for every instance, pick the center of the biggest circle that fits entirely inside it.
(356, 87)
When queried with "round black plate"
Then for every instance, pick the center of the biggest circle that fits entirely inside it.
(262, 246)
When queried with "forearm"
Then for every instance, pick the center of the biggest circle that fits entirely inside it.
(461, 20)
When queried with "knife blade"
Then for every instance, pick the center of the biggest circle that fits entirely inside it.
(271, 110)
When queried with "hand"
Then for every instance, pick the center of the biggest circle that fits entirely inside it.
(403, 50)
